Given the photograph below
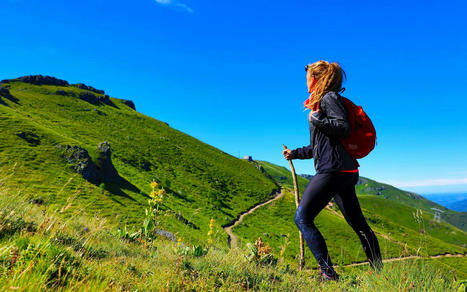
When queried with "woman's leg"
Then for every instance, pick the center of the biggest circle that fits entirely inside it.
(316, 196)
(350, 208)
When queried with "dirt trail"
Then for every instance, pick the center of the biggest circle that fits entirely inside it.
(232, 240)
(447, 255)
(410, 257)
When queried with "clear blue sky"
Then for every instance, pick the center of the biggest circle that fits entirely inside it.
(230, 73)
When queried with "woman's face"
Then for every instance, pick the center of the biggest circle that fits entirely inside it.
(310, 80)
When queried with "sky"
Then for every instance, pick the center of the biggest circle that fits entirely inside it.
(231, 73)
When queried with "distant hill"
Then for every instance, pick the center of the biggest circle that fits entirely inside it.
(453, 201)
(460, 206)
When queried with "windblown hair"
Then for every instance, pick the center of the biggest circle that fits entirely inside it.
(329, 77)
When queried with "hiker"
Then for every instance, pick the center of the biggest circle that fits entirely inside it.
(336, 170)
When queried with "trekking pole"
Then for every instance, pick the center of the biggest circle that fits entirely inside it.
(297, 201)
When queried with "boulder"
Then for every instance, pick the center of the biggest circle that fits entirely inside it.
(87, 87)
(89, 97)
(107, 170)
(129, 103)
(61, 92)
(82, 162)
(96, 173)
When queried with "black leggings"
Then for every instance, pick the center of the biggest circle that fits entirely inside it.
(319, 191)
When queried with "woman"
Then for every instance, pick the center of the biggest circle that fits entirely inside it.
(336, 170)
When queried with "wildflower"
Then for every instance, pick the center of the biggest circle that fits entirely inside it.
(179, 242)
(154, 184)
(210, 232)
(161, 192)
(153, 194)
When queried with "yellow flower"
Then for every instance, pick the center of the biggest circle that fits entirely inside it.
(153, 194)
(161, 192)
(210, 232)
(179, 241)
(154, 184)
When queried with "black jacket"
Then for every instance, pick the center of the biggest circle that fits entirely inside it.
(327, 127)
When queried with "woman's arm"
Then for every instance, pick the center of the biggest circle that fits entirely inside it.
(305, 152)
(333, 121)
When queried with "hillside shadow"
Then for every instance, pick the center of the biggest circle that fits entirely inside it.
(176, 194)
(116, 187)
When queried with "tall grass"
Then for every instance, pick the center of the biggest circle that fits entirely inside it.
(41, 250)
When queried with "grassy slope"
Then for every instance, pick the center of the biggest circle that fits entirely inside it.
(400, 229)
(58, 255)
(201, 181)
(371, 187)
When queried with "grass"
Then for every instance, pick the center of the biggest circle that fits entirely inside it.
(48, 252)
(202, 182)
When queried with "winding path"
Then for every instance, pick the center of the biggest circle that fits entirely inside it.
(232, 240)
(388, 260)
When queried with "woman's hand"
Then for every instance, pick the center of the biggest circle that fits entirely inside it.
(287, 153)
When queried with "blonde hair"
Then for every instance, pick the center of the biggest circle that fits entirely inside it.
(329, 77)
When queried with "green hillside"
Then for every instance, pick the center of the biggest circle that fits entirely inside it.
(76, 168)
(389, 192)
(400, 228)
(201, 181)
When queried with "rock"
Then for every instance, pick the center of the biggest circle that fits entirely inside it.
(88, 97)
(86, 87)
(83, 163)
(61, 92)
(96, 173)
(31, 138)
(38, 80)
(94, 99)
(167, 234)
(129, 103)
(107, 170)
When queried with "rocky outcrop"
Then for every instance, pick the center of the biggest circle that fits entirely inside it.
(104, 162)
(129, 103)
(61, 92)
(95, 99)
(96, 173)
(38, 80)
(87, 87)
(82, 162)
(91, 94)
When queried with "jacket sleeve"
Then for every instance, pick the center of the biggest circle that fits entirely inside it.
(305, 152)
(332, 120)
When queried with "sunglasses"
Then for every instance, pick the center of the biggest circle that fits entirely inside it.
(306, 68)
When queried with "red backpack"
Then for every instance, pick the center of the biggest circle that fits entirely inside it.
(362, 137)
